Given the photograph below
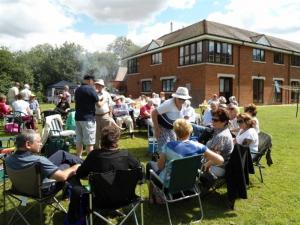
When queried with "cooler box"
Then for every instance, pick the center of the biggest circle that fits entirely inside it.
(11, 128)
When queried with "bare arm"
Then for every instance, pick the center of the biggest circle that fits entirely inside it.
(100, 102)
(154, 115)
(63, 175)
(215, 158)
(161, 161)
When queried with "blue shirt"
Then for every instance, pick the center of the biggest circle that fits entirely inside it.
(178, 149)
(23, 159)
(85, 100)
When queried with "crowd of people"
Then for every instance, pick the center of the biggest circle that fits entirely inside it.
(99, 119)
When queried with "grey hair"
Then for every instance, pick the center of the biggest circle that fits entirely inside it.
(24, 136)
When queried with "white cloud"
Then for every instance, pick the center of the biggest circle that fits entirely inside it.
(125, 11)
(145, 34)
(274, 17)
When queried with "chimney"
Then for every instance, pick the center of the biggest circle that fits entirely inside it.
(171, 27)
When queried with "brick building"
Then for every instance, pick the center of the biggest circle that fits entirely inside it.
(209, 57)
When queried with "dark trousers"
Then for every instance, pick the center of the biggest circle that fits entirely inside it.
(63, 159)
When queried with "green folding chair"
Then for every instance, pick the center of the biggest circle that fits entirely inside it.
(183, 182)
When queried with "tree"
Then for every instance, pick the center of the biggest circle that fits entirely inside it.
(122, 47)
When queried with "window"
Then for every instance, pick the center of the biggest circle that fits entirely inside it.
(146, 86)
(278, 57)
(295, 60)
(258, 55)
(225, 87)
(258, 90)
(168, 85)
(205, 51)
(133, 65)
(156, 58)
(278, 91)
(294, 93)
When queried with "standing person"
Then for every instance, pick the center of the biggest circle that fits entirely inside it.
(12, 93)
(66, 94)
(85, 100)
(26, 92)
(103, 113)
(35, 107)
(171, 110)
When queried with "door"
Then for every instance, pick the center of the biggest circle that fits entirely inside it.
(225, 87)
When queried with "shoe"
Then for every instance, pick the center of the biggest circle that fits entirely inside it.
(131, 135)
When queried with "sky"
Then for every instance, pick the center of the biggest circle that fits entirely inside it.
(94, 24)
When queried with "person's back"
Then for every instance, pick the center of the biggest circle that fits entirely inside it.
(85, 99)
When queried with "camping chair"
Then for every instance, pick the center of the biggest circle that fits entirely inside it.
(46, 113)
(54, 134)
(114, 190)
(264, 148)
(27, 183)
(183, 181)
(17, 123)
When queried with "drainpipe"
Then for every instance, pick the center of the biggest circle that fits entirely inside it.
(289, 79)
(239, 71)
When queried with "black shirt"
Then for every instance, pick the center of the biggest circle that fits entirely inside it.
(107, 160)
(85, 100)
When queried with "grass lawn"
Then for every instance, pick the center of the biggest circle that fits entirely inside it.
(276, 201)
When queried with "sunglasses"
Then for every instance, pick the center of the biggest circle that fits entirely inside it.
(182, 100)
(215, 120)
(240, 121)
(231, 108)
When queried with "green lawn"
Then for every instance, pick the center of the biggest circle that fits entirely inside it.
(276, 201)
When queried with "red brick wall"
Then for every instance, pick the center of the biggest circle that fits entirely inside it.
(203, 77)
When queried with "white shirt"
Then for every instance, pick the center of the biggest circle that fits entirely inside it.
(21, 106)
(190, 112)
(170, 109)
(12, 93)
(250, 134)
(26, 94)
(105, 108)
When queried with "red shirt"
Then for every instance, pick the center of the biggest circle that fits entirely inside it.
(4, 109)
(145, 108)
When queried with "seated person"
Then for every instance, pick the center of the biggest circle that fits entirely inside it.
(35, 107)
(121, 114)
(4, 108)
(183, 147)
(145, 113)
(207, 117)
(60, 166)
(63, 106)
(189, 112)
(247, 134)
(108, 158)
(22, 106)
(221, 142)
(233, 125)
(251, 109)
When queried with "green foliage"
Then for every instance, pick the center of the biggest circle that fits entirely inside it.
(122, 47)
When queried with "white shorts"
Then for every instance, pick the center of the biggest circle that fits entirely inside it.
(86, 132)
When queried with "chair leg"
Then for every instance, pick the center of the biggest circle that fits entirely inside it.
(260, 172)
(168, 211)
(41, 213)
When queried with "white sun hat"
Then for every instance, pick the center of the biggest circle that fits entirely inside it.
(182, 93)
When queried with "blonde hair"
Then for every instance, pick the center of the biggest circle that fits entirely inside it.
(182, 128)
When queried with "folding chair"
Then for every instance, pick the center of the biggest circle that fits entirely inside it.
(264, 148)
(114, 190)
(27, 183)
(54, 132)
(183, 181)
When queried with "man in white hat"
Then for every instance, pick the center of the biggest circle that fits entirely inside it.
(103, 113)
(165, 114)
